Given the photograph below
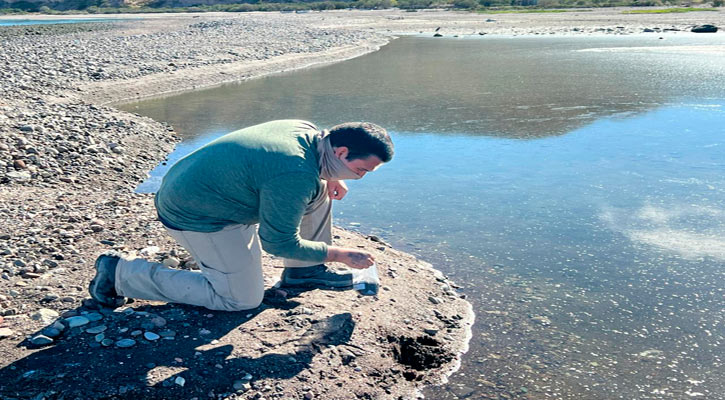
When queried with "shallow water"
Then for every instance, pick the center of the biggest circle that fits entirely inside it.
(13, 22)
(573, 186)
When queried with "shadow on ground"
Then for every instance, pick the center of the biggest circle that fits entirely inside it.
(199, 353)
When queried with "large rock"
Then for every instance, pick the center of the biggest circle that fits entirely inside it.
(704, 29)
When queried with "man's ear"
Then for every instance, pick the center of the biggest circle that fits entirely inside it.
(341, 152)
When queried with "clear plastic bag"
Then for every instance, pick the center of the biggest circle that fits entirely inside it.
(366, 281)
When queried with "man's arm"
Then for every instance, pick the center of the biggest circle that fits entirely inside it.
(282, 204)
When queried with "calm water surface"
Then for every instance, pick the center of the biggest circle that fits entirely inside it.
(574, 186)
(12, 22)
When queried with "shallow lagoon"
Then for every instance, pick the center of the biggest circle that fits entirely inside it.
(30, 21)
(573, 186)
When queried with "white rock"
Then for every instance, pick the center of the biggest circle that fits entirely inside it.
(45, 315)
(149, 251)
(171, 262)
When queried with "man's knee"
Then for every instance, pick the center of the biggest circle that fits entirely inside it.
(230, 304)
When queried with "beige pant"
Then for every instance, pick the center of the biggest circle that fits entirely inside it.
(230, 261)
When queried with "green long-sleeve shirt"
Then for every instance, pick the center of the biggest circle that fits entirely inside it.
(264, 174)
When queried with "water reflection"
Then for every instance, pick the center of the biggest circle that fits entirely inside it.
(518, 88)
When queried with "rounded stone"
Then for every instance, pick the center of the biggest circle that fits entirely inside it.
(41, 340)
(51, 332)
(76, 321)
(97, 329)
(94, 316)
(151, 336)
(168, 334)
(125, 343)
(45, 314)
(171, 262)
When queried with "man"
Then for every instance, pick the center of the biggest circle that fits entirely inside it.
(267, 187)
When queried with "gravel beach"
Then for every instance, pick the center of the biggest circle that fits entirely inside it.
(72, 161)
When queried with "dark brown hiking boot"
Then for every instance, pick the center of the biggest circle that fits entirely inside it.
(103, 285)
(316, 275)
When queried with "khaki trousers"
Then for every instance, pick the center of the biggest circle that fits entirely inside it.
(230, 261)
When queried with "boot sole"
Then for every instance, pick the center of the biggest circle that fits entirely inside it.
(307, 283)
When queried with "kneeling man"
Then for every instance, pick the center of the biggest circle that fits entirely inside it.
(267, 187)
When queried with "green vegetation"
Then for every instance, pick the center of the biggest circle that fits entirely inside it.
(669, 10)
(526, 11)
(480, 6)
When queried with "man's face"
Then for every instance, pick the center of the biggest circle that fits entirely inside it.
(362, 166)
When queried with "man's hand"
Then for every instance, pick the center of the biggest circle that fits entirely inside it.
(336, 189)
(357, 259)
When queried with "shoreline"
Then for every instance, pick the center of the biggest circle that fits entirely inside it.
(67, 194)
(26, 314)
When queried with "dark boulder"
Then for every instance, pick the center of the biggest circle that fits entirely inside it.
(704, 29)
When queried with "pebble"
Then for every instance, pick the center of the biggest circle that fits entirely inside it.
(19, 164)
(151, 336)
(125, 343)
(430, 331)
(76, 321)
(167, 334)
(180, 381)
(241, 385)
(106, 342)
(51, 332)
(50, 297)
(6, 332)
(541, 320)
(58, 325)
(435, 300)
(171, 262)
(99, 337)
(41, 340)
(149, 251)
(93, 317)
(45, 315)
(97, 329)
(158, 321)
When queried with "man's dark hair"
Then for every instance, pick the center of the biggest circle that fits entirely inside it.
(362, 139)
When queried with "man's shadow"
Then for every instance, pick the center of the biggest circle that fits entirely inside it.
(78, 365)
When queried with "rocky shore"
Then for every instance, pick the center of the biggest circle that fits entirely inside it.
(70, 166)
(71, 163)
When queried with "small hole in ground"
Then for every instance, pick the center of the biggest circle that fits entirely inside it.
(420, 353)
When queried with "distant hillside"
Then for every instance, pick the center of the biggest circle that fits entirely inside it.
(64, 5)
(126, 6)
